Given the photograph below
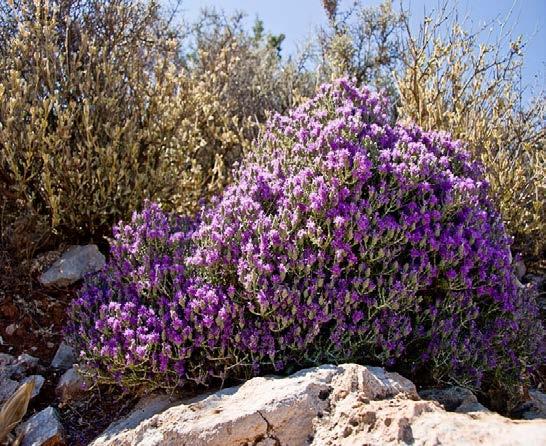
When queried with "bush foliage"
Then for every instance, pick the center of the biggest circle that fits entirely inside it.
(235, 78)
(342, 238)
(474, 91)
(88, 130)
(88, 110)
(104, 104)
(329, 234)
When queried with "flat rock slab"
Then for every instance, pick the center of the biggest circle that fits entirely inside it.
(266, 407)
(328, 405)
(402, 421)
(73, 265)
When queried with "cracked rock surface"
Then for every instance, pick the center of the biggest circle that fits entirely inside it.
(263, 411)
(328, 405)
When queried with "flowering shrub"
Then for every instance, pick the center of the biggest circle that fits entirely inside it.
(141, 321)
(346, 237)
(342, 238)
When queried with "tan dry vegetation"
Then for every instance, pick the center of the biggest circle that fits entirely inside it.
(14, 409)
(102, 106)
(89, 108)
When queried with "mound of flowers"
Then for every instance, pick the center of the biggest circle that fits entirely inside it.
(342, 238)
(142, 322)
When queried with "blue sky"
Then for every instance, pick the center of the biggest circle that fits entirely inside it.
(298, 19)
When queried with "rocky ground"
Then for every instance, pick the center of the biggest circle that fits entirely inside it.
(343, 405)
(32, 315)
(328, 405)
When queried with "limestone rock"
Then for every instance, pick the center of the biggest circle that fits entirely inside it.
(77, 261)
(400, 421)
(14, 372)
(64, 357)
(536, 407)
(370, 382)
(328, 405)
(44, 428)
(476, 429)
(146, 408)
(263, 408)
(6, 365)
(539, 399)
(7, 388)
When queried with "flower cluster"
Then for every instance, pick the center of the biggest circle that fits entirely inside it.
(142, 321)
(342, 238)
(345, 237)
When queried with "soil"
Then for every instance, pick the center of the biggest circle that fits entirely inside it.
(31, 317)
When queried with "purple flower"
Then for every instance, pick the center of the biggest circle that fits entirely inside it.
(343, 236)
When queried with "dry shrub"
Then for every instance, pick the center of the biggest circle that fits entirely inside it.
(14, 409)
(453, 82)
(103, 105)
(89, 106)
(361, 42)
